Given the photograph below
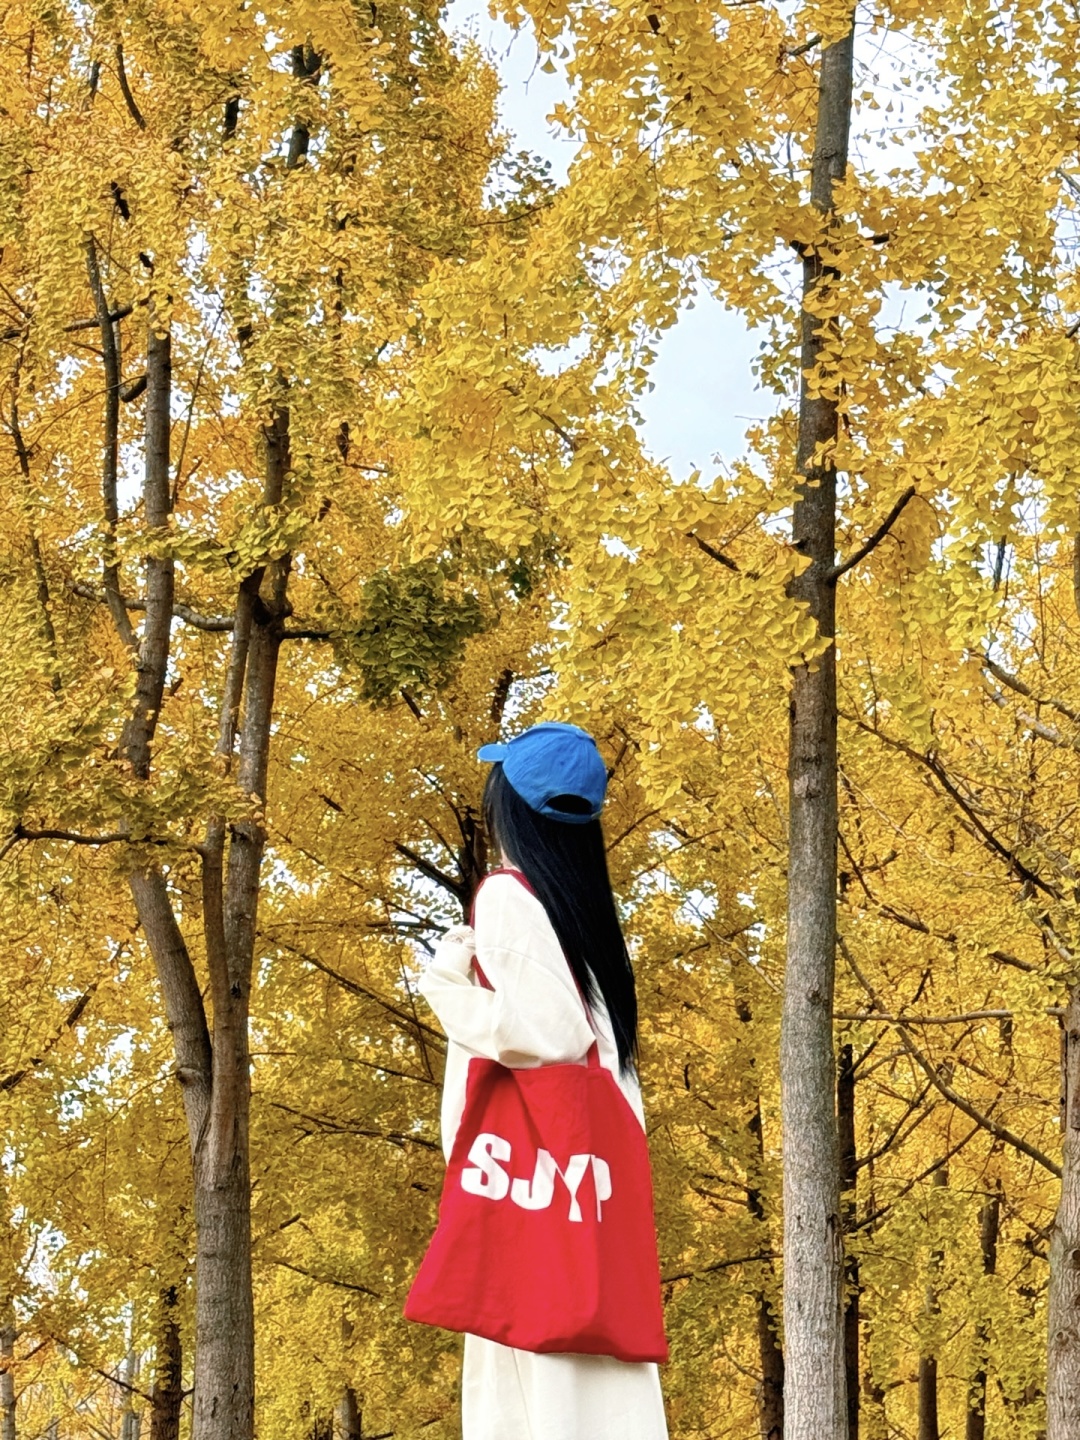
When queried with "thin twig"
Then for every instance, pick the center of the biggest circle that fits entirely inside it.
(120, 313)
(327, 1279)
(860, 1015)
(713, 553)
(899, 1023)
(1015, 683)
(718, 1265)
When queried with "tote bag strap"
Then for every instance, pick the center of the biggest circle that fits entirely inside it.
(500, 870)
(593, 1057)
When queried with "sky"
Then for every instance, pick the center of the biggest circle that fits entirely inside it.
(704, 392)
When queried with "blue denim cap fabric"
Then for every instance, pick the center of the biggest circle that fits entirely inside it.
(552, 759)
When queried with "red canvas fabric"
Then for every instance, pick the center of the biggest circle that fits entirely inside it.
(546, 1239)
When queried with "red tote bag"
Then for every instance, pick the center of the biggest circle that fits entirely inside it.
(546, 1239)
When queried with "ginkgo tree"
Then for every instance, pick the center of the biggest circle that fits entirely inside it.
(217, 222)
(713, 139)
(322, 440)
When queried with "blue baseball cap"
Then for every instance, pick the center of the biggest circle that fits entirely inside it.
(550, 760)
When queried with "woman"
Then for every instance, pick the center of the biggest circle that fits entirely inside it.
(545, 937)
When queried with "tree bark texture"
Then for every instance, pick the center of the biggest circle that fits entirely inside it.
(1063, 1347)
(1063, 1350)
(815, 1402)
(989, 1224)
(7, 1380)
(770, 1350)
(110, 449)
(129, 1417)
(928, 1398)
(213, 1063)
(929, 1425)
(167, 1395)
(348, 1424)
(211, 1050)
(845, 1116)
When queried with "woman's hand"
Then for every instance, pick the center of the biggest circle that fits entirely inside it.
(456, 948)
(460, 935)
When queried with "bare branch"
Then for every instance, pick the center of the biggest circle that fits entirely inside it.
(432, 872)
(114, 315)
(403, 1017)
(949, 937)
(75, 837)
(713, 553)
(500, 696)
(327, 1279)
(1049, 733)
(1013, 682)
(305, 632)
(560, 430)
(803, 48)
(975, 823)
(861, 1015)
(22, 452)
(306, 64)
(900, 1024)
(181, 611)
(110, 569)
(875, 539)
(70, 1020)
(133, 389)
(195, 618)
(875, 1215)
(129, 98)
(329, 1125)
(718, 1265)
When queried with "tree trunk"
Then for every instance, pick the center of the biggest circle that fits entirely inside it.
(348, 1424)
(1063, 1348)
(849, 1173)
(214, 1075)
(167, 1396)
(989, 1222)
(1063, 1353)
(129, 1416)
(815, 1402)
(213, 1071)
(212, 1065)
(771, 1359)
(928, 1398)
(929, 1428)
(770, 1351)
(874, 1421)
(7, 1378)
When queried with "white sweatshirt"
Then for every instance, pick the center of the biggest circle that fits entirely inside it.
(533, 1016)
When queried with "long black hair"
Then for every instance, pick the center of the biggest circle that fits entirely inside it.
(566, 864)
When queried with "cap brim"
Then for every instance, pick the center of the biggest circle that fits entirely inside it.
(491, 752)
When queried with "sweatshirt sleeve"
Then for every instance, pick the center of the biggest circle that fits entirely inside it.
(534, 1014)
